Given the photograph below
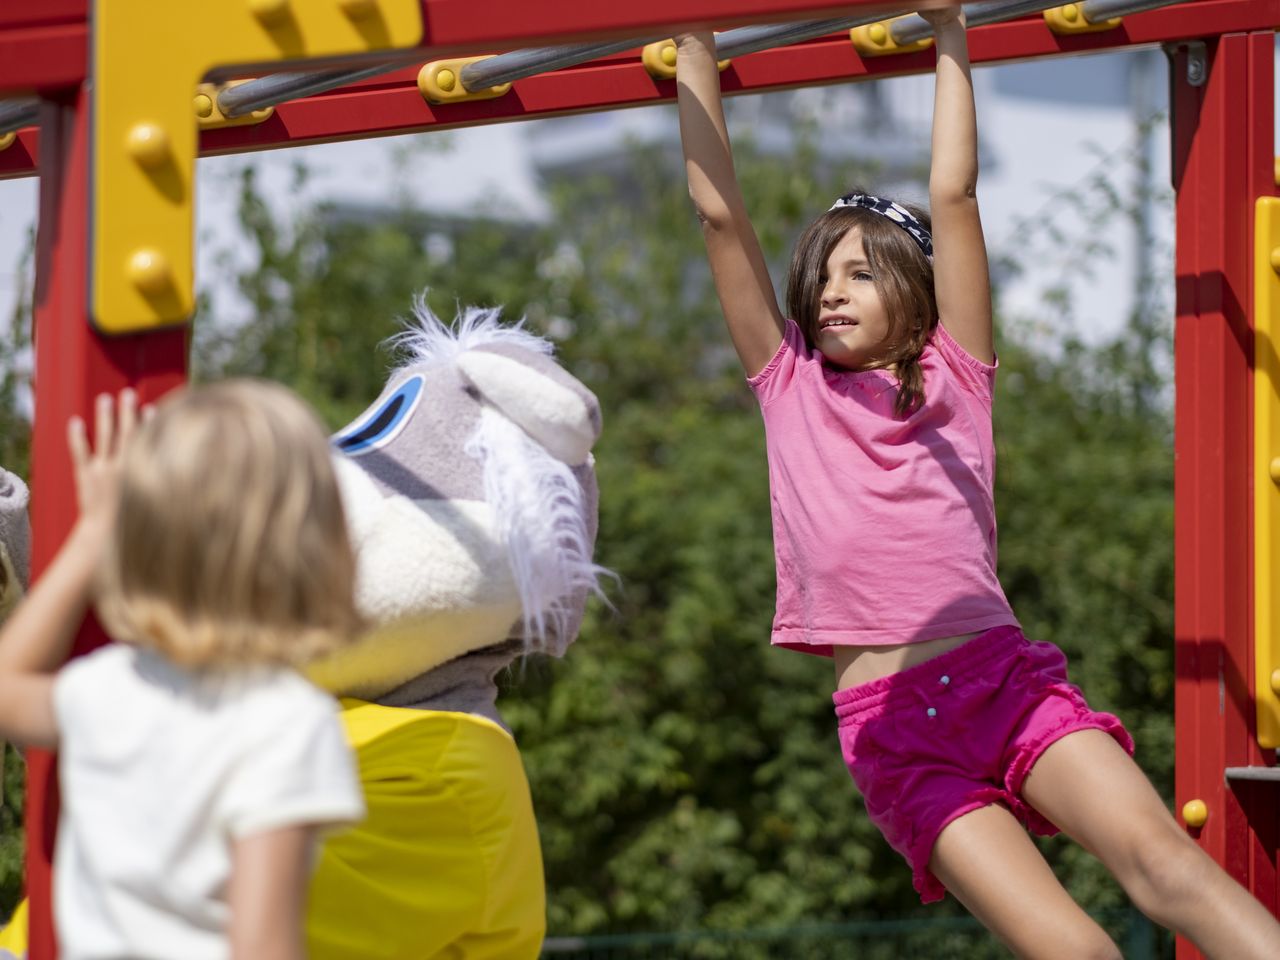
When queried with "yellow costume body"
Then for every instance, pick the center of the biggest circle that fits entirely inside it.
(447, 863)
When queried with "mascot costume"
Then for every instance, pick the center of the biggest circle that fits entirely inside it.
(471, 499)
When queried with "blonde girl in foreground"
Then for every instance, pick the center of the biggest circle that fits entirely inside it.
(876, 396)
(196, 767)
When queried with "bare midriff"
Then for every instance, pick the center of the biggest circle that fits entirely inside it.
(855, 665)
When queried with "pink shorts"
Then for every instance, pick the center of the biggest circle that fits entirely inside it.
(959, 732)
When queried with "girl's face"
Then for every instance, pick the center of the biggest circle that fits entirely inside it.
(853, 327)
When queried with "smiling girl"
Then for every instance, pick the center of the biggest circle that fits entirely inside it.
(876, 394)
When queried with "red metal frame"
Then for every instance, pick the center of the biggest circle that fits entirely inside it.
(1223, 160)
(392, 104)
(45, 45)
(73, 365)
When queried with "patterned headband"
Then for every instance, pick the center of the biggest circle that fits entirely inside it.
(892, 211)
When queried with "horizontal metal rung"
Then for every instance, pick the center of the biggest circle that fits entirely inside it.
(1253, 773)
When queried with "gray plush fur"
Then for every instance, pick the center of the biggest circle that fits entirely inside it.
(475, 487)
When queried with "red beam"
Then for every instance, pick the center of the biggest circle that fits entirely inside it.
(392, 105)
(1223, 161)
(73, 365)
(42, 45)
(48, 49)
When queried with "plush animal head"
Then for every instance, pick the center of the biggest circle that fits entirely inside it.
(471, 498)
(15, 541)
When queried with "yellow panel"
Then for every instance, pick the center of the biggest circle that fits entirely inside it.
(149, 56)
(209, 117)
(876, 40)
(1266, 477)
(1069, 18)
(440, 81)
(659, 59)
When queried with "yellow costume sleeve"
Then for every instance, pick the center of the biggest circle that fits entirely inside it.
(13, 938)
(447, 862)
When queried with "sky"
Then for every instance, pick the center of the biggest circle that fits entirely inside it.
(1044, 126)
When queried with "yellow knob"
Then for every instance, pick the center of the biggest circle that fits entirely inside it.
(1071, 13)
(1274, 469)
(1195, 813)
(446, 80)
(669, 54)
(1275, 682)
(878, 33)
(6, 140)
(1277, 172)
(148, 144)
(149, 271)
(269, 11)
(358, 8)
(203, 104)
(1275, 259)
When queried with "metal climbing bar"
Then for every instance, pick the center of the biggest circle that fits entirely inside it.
(16, 114)
(243, 99)
(914, 28)
(744, 40)
(1095, 11)
(519, 64)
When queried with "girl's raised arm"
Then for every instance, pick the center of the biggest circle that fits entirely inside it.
(961, 279)
(37, 638)
(737, 263)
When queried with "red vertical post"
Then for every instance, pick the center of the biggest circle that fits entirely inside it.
(1223, 157)
(73, 364)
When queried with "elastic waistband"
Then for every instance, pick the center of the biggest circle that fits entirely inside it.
(986, 646)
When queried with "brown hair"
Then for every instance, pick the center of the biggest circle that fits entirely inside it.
(903, 277)
(231, 546)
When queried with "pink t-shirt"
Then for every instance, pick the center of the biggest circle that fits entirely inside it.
(884, 528)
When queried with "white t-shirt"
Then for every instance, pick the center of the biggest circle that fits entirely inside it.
(161, 769)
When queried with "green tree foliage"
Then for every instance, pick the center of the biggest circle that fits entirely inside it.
(15, 456)
(685, 774)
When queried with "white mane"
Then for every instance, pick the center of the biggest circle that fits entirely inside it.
(428, 339)
(539, 505)
(541, 518)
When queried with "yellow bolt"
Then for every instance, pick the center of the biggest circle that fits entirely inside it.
(1195, 813)
(148, 144)
(358, 8)
(269, 11)
(669, 54)
(878, 33)
(203, 104)
(1275, 682)
(149, 271)
(1275, 259)
(1071, 13)
(7, 139)
(1274, 468)
(446, 80)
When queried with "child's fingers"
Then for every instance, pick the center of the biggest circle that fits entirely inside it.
(104, 425)
(128, 419)
(78, 443)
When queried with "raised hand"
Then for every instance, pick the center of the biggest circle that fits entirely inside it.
(941, 16)
(97, 467)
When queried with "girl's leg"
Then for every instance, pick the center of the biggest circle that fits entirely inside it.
(987, 861)
(1087, 785)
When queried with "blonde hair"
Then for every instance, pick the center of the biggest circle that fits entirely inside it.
(230, 547)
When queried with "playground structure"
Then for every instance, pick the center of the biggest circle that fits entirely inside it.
(116, 157)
